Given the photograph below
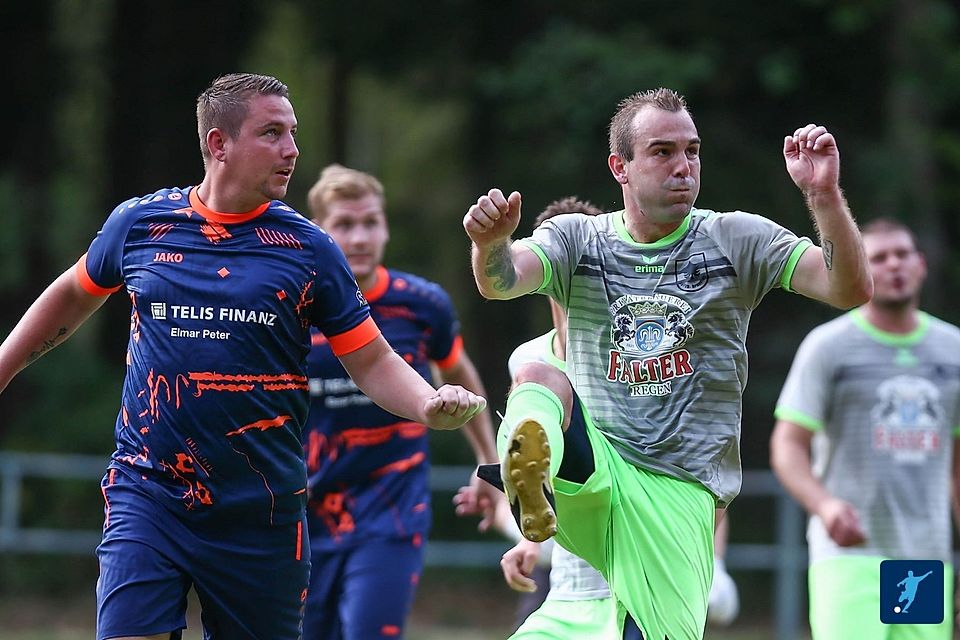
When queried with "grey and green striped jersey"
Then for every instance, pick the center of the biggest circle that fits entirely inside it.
(885, 409)
(571, 577)
(656, 331)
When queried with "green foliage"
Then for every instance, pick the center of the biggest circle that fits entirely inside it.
(69, 401)
(555, 96)
(443, 101)
(13, 250)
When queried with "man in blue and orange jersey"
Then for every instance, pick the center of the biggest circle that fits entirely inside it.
(207, 487)
(369, 506)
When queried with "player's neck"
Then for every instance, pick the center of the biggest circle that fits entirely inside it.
(217, 197)
(892, 319)
(369, 281)
(645, 230)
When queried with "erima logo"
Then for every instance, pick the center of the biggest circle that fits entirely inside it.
(649, 266)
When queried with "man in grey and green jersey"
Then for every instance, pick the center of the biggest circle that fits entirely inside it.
(656, 356)
(865, 440)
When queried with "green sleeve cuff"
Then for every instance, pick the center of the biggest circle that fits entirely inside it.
(802, 419)
(547, 268)
(792, 261)
(956, 431)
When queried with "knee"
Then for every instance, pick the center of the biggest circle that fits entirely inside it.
(538, 372)
(546, 375)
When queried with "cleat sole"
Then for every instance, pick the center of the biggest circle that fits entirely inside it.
(527, 483)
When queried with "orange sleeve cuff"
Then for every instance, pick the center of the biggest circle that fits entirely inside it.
(349, 341)
(454, 356)
(87, 282)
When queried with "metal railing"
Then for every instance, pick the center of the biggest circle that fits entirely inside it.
(786, 557)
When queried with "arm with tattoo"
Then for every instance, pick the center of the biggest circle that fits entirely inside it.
(506, 270)
(837, 272)
(503, 269)
(47, 345)
(827, 246)
(499, 268)
(840, 243)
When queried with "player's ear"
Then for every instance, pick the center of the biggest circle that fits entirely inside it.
(216, 144)
(618, 168)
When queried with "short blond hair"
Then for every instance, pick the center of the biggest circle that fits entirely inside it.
(337, 182)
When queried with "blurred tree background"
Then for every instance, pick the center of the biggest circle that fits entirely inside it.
(444, 100)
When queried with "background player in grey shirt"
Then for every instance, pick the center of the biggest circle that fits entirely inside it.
(658, 299)
(865, 440)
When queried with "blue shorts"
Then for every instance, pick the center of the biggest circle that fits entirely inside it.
(364, 591)
(251, 582)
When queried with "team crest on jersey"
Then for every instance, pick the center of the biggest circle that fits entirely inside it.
(691, 273)
(647, 336)
(907, 417)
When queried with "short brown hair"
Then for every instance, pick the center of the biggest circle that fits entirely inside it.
(888, 225)
(570, 204)
(621, 125)
(224, 104)
(337, 182)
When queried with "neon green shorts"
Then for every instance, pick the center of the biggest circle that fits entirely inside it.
(557, 619)
(650, 535)
(845, 603)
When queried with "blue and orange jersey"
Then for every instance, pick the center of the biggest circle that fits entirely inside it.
(367, 468)
(216, 392)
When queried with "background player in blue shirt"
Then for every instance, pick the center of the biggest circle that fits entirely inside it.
(207, 485)
(369, 505)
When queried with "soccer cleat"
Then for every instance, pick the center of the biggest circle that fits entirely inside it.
(525, 472)
(490, 473)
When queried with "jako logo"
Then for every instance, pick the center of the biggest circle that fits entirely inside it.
(167, 256)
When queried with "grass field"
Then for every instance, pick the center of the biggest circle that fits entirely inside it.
(438, 633)
(483, 615)
(472, 606)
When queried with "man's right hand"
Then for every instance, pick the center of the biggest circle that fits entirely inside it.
(451, 406)
(493, 218)
(517, 564)
(842, 522)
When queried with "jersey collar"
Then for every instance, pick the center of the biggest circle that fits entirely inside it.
(892, 339)
(621, 226)
(380, 285)
(223, 218)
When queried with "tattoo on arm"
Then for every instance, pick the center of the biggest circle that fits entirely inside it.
(500, 268)
(47, 345)
(828, 254)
